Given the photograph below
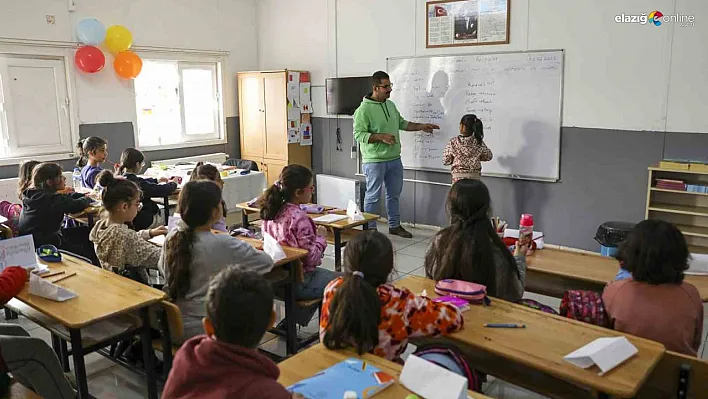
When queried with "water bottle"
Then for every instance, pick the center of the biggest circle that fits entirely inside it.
(526, 230)
(76, 179)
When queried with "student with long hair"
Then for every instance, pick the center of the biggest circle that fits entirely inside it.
(209, 172)
(286, 222)
(193, 254)
(116, 245)
(469, 249)
(95, 151)
(25, 176)
(12, 211)
(362, 310)
(655, 303)
(132, 162)
(466, 152)
(44, 207)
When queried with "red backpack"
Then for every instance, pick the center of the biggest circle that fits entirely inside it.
(586, 306)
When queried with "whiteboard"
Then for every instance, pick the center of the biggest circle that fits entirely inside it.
(517, 95)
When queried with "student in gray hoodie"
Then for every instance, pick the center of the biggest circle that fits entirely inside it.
(115, 243)
(192, 254)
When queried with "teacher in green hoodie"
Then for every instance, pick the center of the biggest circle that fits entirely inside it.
(376, 127)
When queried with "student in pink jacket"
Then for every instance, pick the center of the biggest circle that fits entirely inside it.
(286, 222)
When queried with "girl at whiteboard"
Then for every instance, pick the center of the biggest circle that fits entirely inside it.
(467, 151)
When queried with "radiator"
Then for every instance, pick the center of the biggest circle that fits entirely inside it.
(218, 158)
(337, 191)
(8, 188)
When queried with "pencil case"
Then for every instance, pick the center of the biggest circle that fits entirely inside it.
(472, 292)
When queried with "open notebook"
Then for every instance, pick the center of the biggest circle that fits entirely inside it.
(348, 375)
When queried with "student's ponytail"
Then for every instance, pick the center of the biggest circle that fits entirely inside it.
(355, 310)
(83, 158)
(473, 127)
(197, 202)
(292, 178)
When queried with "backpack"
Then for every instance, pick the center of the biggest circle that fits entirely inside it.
(536, 305)
(586, 306)
(12, 213)
(472, 292)
(474, 378)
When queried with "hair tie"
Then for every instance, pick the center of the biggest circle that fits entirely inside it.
(358, 273)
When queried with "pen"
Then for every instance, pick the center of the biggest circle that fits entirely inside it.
(64, 277)
(53, 274)
(504, 325)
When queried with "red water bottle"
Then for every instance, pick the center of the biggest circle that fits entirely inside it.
(526, 231)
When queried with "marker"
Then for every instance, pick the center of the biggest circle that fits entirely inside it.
(504, 325)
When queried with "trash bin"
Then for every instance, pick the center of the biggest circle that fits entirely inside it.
(611, 234)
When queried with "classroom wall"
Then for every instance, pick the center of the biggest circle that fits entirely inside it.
(106, 103)
(632, 94)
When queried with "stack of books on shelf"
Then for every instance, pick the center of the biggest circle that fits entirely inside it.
(666, 184)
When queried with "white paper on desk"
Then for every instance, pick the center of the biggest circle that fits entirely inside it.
(18, 251)
(173, 222)
(272, 248)
(431, 381)
(332, 218)
(513, 233)
(353, 212)
(40, 287)
(40, 268)
(698, 264)
(606, 353)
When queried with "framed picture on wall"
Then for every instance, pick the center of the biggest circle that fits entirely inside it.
(467, 23)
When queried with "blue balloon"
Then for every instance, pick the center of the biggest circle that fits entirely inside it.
(91, 32)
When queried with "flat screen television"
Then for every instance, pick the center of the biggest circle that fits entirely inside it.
(344, 94)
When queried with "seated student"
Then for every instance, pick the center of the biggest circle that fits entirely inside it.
(12, 211)
(286, 222)
(225, 363)
(116, 244)
(131, 163)
(469, 249)
(656, 303)
(363, 310)
(95, 150)
(209, 172)
(30, 360)
(193, 254)
(43, 209)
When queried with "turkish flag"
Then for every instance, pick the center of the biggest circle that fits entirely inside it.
(440, 11)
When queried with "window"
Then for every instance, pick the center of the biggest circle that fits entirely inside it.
(178, 103)
(34, 108)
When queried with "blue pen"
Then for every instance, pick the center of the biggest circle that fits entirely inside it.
(504, 325)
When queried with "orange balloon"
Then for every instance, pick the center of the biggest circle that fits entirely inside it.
(128, 65)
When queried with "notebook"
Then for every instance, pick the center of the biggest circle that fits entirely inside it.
(348, 375)
(330, 218)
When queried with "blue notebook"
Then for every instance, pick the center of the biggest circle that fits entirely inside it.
(348, 375)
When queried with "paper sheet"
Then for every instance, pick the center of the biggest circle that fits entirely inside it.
(698, 264)
(305, 134)
(607, 353)
(18, 251)
(353, 212)
(431, 381)
(40, 287)
(329, 218)
(293, 136)
(293, 113)
(306, 98)
(272, 248)
(293, 89)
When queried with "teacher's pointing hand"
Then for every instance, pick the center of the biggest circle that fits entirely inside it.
(429, 127)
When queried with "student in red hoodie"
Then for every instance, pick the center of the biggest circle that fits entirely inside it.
(30, 360)
(225, 363)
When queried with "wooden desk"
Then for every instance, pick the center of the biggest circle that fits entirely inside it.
(317, 358)
(336, 227)
(87, 216)
(544, 342)
(553, 271)
(101, 295)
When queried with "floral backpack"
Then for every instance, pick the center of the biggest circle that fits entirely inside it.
(12, 213)
(586, 306)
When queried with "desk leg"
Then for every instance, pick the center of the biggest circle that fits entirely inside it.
(145, 337)
(337, 250)
(244, 219)
(90, 220)
(167, 209)
(77, 352)
(290, 325)
(602, 395)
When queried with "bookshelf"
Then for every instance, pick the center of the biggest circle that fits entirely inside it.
(687, 210)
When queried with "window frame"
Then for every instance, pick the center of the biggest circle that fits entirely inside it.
(65, 56)
(188, 60)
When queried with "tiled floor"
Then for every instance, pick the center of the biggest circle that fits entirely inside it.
(109, 381)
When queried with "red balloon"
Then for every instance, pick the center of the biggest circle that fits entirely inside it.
(89, 59)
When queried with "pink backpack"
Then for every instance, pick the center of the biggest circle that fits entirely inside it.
(586, 306)
(472, 292)
(12, 213)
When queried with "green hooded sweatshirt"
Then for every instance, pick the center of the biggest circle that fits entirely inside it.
(378, 117)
